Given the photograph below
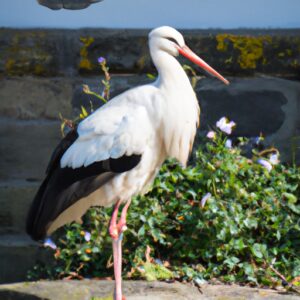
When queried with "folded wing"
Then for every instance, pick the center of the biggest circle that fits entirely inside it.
(108, 142)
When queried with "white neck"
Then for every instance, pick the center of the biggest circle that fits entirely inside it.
(170, 72)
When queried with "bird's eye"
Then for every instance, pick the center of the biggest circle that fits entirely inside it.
(173, 40)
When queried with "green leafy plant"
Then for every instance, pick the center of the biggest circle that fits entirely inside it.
(226, 217)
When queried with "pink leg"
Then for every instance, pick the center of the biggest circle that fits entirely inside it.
(116, 230)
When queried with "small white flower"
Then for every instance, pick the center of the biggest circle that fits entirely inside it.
(49, 243)
(228, 144)
(199, 281)
(211, 135)
(266, 164)
(87, 236)
(204, 199)
(224, 125)
(274, 159)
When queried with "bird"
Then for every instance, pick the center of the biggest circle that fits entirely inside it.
(116, 152)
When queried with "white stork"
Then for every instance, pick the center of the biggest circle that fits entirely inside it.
(116, 152)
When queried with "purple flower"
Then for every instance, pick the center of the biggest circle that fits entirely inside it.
(211, 135)
(158, 261)
(274, 159)
(228, 144)
(101, 60)
(204, 199)
(87, 236)
(224, 125)
(49, 243)
(258, 140)
(266, 164)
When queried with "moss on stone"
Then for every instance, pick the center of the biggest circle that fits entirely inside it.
(27, 54)
(154, 271)
(106, 298)
(251, 48)
(85, 63)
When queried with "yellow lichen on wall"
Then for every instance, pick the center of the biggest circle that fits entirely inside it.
(26, 54)
(9, 64)
(251, 48)
(85, 63)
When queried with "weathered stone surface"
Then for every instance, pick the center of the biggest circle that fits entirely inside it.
(18, 254)
(119, 84)
(258, 105)
(34, 98)
(67, 4)
(232, 52)
(26, 147)
(134, 290)
(36, 52)
(15, 199)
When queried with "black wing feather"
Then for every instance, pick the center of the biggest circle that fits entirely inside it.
(63, 187)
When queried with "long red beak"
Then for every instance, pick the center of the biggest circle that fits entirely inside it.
(189, 54)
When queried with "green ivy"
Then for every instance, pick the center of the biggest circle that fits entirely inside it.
(248, 227)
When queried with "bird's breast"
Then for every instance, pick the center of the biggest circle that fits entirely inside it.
(180, 124)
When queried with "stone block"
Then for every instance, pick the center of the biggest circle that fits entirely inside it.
(18, 255)
(55, 52)
(35, 98)
(137, 290)
(35, 52)
(119, 84)
(232, 52)
(26, 147)
(270, 106)
(15, 199)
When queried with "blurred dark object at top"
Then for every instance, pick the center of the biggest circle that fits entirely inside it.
(67, 4)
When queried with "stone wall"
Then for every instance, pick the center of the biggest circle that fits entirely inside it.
(42, 72)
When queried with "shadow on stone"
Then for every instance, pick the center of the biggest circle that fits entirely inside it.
(13, 295)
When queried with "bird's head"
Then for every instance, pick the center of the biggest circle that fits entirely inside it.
(168, 39)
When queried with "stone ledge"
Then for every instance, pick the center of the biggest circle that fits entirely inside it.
(26, 147)
(35, 98)
(134, 290)
(258, 105)
(15, 199)
(18, 254)
(43, 52)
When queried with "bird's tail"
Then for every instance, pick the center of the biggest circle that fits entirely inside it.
(37, 233)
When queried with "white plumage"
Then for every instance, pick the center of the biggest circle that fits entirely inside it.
(148, 123)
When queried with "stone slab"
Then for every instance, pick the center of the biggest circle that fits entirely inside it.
(18, 254)
(134, 290)
(53, 52)
(15, 199)
(270, 106)
(35, 98)
(26, 147)
(33, 52)
(119, 84)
